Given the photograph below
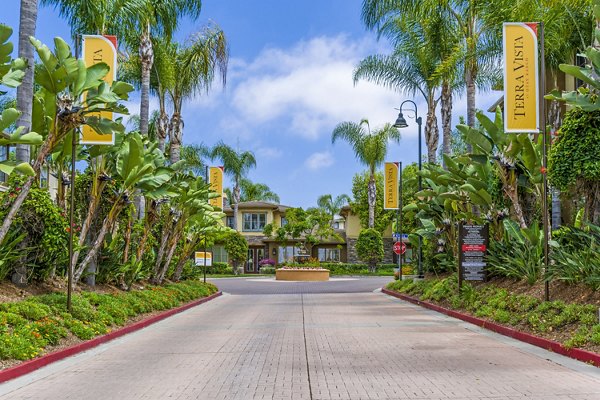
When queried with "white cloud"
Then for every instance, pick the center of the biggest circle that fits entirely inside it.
(269, 153)
(319, 160)
(310, 87)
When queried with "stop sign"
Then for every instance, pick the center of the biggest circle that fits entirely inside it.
(399, 248)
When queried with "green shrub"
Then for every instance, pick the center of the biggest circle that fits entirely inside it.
(27, 327)
(267, 270)
(503, 307)
(369, 247)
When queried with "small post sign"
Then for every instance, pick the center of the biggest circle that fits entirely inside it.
(473, 241)
(203, 258)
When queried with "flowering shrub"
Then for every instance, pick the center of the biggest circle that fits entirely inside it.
(266, 262)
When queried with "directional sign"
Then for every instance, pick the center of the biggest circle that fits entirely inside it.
(203, 259)
(399, 248)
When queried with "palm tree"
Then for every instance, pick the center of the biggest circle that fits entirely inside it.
(333, 206)
(27, 23)
(251, 191)
(193, 156)
(236, 165)
(194, 67)
(136, 21)
(369, 148)
(476, 29)
(410, 69)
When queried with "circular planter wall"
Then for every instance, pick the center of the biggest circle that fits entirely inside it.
(302, 274)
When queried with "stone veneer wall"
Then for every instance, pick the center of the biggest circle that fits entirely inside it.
(388, 252)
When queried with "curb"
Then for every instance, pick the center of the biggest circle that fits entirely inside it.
(31, 365)
(547, 344)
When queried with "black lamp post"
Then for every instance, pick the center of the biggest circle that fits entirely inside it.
(401, 123)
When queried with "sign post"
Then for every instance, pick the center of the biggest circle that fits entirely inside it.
(524, 103)
(473, 241)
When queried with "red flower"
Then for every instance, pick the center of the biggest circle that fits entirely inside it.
(543, 170)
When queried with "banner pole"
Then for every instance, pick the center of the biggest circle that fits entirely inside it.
(399, 223)
(545, 214)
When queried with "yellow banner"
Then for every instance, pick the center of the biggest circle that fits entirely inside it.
(97, 49)
(390, 191)
(216, 184)
(521, 90)
(202, 258)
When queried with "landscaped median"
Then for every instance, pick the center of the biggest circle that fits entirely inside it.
(31, 329)
(568, 329)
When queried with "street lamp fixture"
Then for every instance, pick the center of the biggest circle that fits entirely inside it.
(401, 123)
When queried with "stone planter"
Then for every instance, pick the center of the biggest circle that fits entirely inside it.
(302, 274)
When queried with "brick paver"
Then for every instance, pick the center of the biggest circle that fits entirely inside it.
(310, 346)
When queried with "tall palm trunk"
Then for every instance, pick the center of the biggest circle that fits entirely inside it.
(94, 202)
(372, 194)
(176, 136)
(162, 125)
(147, 59)
(446, 103)
(432, 134)
(27, 24)
(471, 71)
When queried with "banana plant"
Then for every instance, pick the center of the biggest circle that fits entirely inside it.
(516, 158)
(137, 167)
(585, 97)
(189, 205)
(59, 107)
(12, 72)
(103, 168)
(201, 229)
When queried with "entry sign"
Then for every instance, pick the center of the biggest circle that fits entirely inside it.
(473, 242)
(521, 95)
(399, 248)
(392, 171)
(97, 49)
(203, 259)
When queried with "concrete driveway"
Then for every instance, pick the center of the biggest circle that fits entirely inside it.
(360, 345)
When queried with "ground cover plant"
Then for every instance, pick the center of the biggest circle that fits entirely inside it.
(29, 327)
(572, 324)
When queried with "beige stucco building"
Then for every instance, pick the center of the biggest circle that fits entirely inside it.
(253, 216)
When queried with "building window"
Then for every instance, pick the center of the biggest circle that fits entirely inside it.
(219, 254)
(254, 222)
(230, 222)
(336, 225)
(286, 254)
(329, 255)
(284, 221)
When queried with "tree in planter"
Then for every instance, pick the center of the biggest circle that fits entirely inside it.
(58, 107)
(310, 227)
(369, 247)
(236, 247)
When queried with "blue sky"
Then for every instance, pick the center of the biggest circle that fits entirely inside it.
(289, 83)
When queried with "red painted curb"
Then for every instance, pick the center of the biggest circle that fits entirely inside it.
(31, 365)
(551, 345)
